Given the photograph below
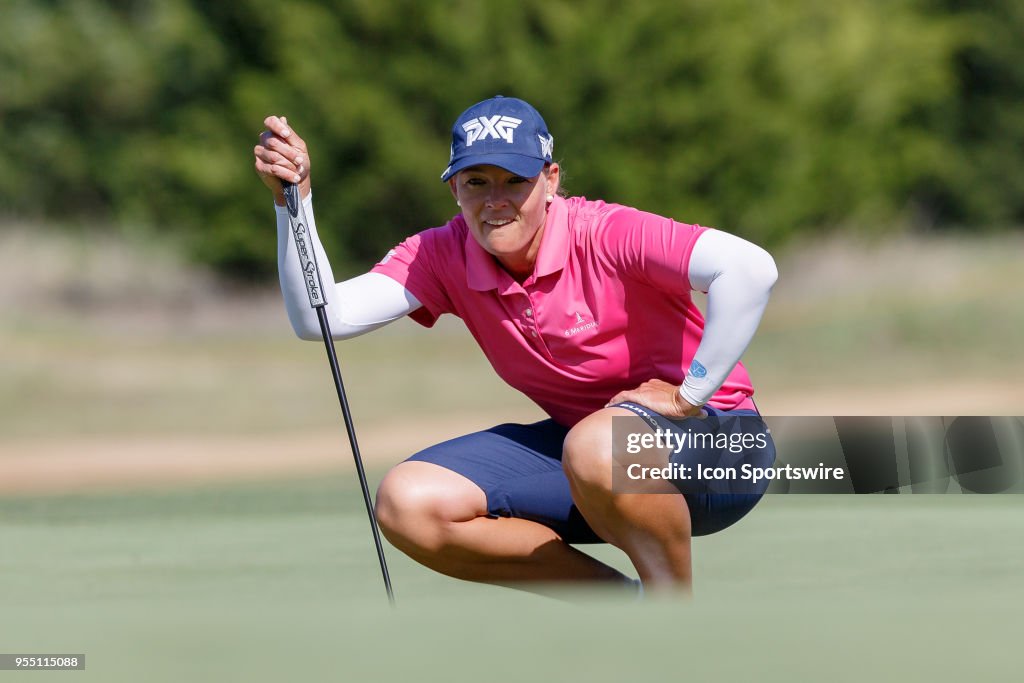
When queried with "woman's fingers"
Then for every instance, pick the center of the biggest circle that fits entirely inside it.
(621, 397)
(271, 157)
(283, 172)
(273, 152)
(277, 126)
(281, 155)
(284, 134)
(269, 162)
(286, 149)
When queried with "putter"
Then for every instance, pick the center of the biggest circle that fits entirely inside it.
(315, 290)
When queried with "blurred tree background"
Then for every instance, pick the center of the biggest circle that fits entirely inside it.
(768, 119)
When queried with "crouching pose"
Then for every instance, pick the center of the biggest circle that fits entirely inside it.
(586, 308)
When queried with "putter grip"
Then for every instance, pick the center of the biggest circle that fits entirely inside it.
(304, 245)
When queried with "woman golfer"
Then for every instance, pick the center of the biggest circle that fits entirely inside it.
(586, 308)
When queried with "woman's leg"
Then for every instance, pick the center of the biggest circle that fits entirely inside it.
(652, 528)
(439, 518)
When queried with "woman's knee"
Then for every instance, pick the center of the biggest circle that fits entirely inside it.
(595, 451)
(587, 453)
(416, 501)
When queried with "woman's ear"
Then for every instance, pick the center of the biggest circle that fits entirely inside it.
(553, 179)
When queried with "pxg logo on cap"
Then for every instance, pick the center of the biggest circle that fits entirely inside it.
(502, 131)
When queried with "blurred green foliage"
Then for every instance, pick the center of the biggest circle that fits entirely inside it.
(769, 119)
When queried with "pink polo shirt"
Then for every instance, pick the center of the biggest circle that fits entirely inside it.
(607, 308)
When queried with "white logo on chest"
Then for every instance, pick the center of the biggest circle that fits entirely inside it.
(581, 325)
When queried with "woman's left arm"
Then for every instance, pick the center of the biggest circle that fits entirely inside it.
(738, 277)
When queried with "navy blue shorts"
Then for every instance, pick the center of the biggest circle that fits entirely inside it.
(519, 469)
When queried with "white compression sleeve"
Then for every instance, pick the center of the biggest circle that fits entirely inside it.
(738, 277)
(354, 306)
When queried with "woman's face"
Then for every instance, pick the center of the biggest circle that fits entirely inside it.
(506, 212)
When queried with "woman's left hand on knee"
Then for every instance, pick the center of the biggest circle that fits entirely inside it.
(659, 396)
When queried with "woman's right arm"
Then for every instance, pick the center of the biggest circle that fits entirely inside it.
(354, 306)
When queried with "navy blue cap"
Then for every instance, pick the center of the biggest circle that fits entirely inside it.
(501, 131)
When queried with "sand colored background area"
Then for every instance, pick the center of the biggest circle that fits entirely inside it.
(121, 368)
(97, 463)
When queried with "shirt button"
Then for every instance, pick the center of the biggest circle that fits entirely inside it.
(528, 312)
(533, 332)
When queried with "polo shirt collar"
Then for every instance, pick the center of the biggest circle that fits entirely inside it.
(483, 272)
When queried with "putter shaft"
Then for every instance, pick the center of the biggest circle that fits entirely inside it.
(332, 357)
(314, 288)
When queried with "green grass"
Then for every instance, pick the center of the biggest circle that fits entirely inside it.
(276, 582)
